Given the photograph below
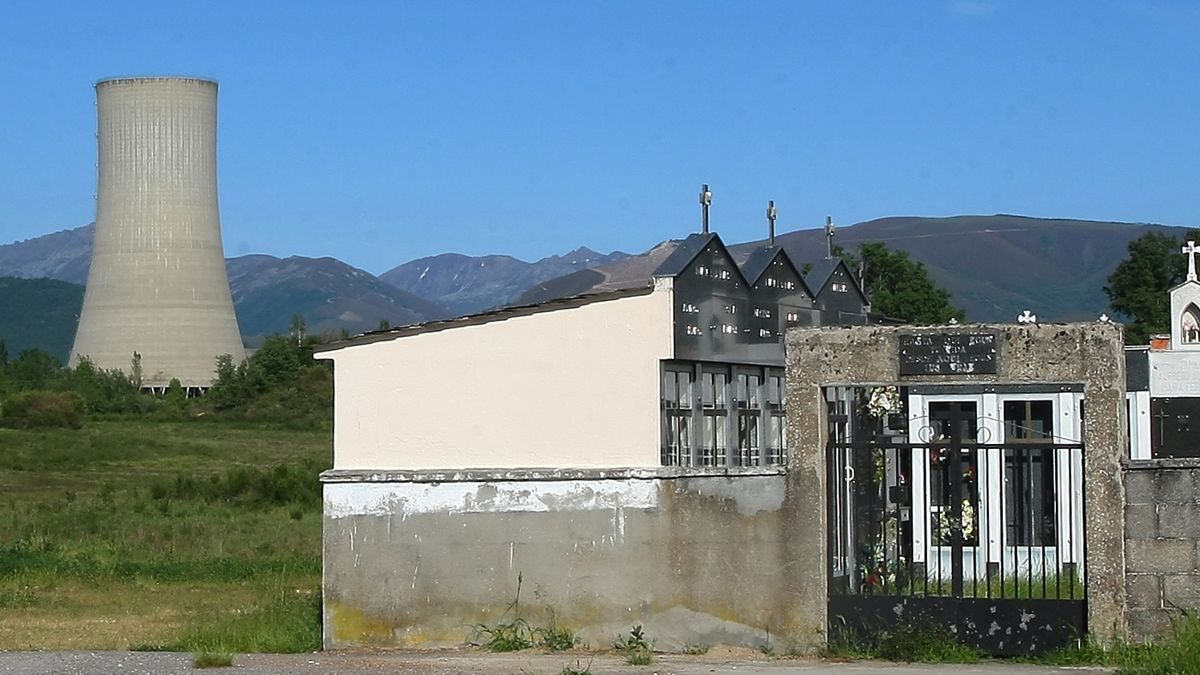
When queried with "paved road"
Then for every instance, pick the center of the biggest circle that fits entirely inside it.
(464, 662)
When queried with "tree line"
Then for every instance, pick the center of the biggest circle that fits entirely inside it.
(278, 383)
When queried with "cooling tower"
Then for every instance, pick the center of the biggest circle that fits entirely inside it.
(157, 284)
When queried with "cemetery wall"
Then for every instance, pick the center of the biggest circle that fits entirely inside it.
(694, 556)
(1162, 543)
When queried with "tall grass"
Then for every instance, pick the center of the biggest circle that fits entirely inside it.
(290, 622)
(214, 524)
(1179, 654)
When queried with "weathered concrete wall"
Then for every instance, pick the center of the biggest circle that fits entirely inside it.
(1084, 353)
(418, 559)
(1162, 540)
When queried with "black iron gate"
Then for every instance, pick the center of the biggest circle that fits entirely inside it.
(983, 542)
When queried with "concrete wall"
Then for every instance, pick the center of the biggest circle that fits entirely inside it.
(1162, 541)
(574, 387)
(1086, 353)
(417, 559)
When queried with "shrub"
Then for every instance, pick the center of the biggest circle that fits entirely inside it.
(40, 409)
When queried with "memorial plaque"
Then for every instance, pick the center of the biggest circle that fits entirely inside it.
(948, 354)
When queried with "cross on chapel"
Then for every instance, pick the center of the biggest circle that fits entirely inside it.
(1190, 251)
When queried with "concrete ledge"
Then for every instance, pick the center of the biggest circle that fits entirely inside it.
(534, 474)
(1162, 463)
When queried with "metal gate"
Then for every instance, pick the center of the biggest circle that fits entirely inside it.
(981, 541)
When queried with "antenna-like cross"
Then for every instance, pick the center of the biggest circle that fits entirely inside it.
(771, 214)
(829, 237)
(1190, 251)
(705, 202)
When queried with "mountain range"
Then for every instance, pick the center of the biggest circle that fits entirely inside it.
(994, 267)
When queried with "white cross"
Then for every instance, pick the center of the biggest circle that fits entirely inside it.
(1027, 317)
(1190, 251)
(1104, 318)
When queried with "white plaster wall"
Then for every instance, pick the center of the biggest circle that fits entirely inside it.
(1174, 373)
(575, 387)
(1181, 296)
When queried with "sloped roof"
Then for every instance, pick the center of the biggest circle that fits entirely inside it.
(683, 254)
(820, 272)
(819, 275)
(498, 314)
(759, 261)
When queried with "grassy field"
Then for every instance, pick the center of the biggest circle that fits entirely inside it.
(134, 533)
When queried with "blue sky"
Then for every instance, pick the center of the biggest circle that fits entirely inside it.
(381, 132)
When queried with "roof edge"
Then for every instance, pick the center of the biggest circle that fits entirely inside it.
(500, 314)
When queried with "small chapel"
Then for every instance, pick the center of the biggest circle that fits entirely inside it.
(1163, 378)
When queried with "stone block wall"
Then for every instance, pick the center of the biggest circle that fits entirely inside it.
(1162, 543)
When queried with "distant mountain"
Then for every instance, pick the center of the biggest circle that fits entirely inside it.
(63, 255)
(629, 271)
(331, 295)
(993, 266)
(39, 314)
(997, 266)
(465, 284)
(267, 292)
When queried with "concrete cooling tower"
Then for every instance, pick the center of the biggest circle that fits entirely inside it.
(157, 284)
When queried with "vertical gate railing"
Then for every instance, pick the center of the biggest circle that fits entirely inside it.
(962, 522)
(972, 533)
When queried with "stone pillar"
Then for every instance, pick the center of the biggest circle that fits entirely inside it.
(1091, 354)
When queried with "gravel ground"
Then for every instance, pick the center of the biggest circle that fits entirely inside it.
(462, 662)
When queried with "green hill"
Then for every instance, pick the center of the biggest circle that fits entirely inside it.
(39, 313)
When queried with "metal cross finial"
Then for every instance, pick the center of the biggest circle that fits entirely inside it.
(1190, 251)
(771, 214)
(1027, 317)
(829, 237)
(705, 202)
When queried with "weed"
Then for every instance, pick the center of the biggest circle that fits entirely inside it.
(910, 644)
(577, 669)
(1179, 653)
(212, 660)
(510, 636)
(695, 649)
(635, 646)
(638, 658)
(925, 645)
(555, 638)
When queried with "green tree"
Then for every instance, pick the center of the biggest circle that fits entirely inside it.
(34, 369)
(1138, 288)
(900, 288)
(3, 354)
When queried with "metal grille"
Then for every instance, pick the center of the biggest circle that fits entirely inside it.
(956, 519)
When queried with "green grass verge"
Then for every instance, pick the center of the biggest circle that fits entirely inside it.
(201, 536)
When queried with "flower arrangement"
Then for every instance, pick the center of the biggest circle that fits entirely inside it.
(882, 562)
(883, 400)
(944, 523)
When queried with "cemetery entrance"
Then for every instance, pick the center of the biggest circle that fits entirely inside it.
(958, 509)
